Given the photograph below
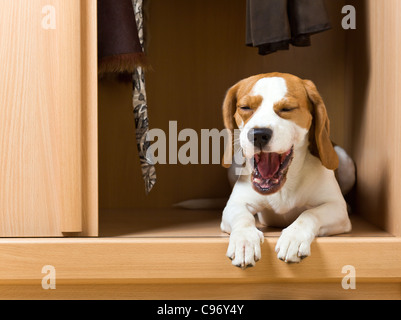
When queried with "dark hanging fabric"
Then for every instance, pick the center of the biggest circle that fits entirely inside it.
(140, 106)
(121, 56)
(119, 48)
(273, 25)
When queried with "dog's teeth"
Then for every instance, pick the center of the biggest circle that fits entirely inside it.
(258, 181)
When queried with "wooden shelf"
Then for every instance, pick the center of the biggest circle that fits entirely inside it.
(179, 254)
(176, 223)
(196, 268)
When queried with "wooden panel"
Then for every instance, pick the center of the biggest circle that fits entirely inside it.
(197, 51)
(89, 120)
(194, 260)
(162, 223)
(44, 103)
(374, 97)
(208, 291)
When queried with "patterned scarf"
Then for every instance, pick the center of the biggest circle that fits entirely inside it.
(141, 109)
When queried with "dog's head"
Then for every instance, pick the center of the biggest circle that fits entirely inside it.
(276, 113)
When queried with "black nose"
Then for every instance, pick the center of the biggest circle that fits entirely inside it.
(260, 137)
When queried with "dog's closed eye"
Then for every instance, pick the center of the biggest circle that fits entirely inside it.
(288, 109)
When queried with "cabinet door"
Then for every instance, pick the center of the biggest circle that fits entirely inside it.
(48, 118)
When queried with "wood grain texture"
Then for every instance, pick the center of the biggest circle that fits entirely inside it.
(204, 291)
(203, 260)
(42, 102)
(197, 51)
(89, 121)
(373, 80)
(173, 223)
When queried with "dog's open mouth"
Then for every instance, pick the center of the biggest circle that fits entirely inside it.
(270, 171)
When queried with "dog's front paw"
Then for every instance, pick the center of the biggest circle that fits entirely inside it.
(244, 248)
(294, 244)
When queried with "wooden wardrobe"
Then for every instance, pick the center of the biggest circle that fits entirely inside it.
(71, 191)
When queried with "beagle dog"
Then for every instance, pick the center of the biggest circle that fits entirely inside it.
(284, 137)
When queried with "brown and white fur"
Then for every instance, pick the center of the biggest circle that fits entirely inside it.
(305, 198)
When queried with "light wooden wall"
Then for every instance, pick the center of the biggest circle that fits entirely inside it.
(373, 85)
(48, 138)
(197, 50)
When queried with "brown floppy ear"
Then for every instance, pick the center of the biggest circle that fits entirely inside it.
(320, 143)
(229, 109)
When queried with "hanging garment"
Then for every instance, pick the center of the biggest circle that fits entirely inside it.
(273, 25)
(141, 109)
(121, 54)
(119, 48)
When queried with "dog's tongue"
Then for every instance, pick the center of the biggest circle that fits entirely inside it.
(268, 164)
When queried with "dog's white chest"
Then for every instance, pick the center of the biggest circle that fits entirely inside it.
(270, 218)
(278, 210)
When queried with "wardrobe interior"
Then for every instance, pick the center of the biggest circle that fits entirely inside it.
(197, 51)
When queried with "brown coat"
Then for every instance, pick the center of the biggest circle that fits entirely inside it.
(275, 24)
(119, 48)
